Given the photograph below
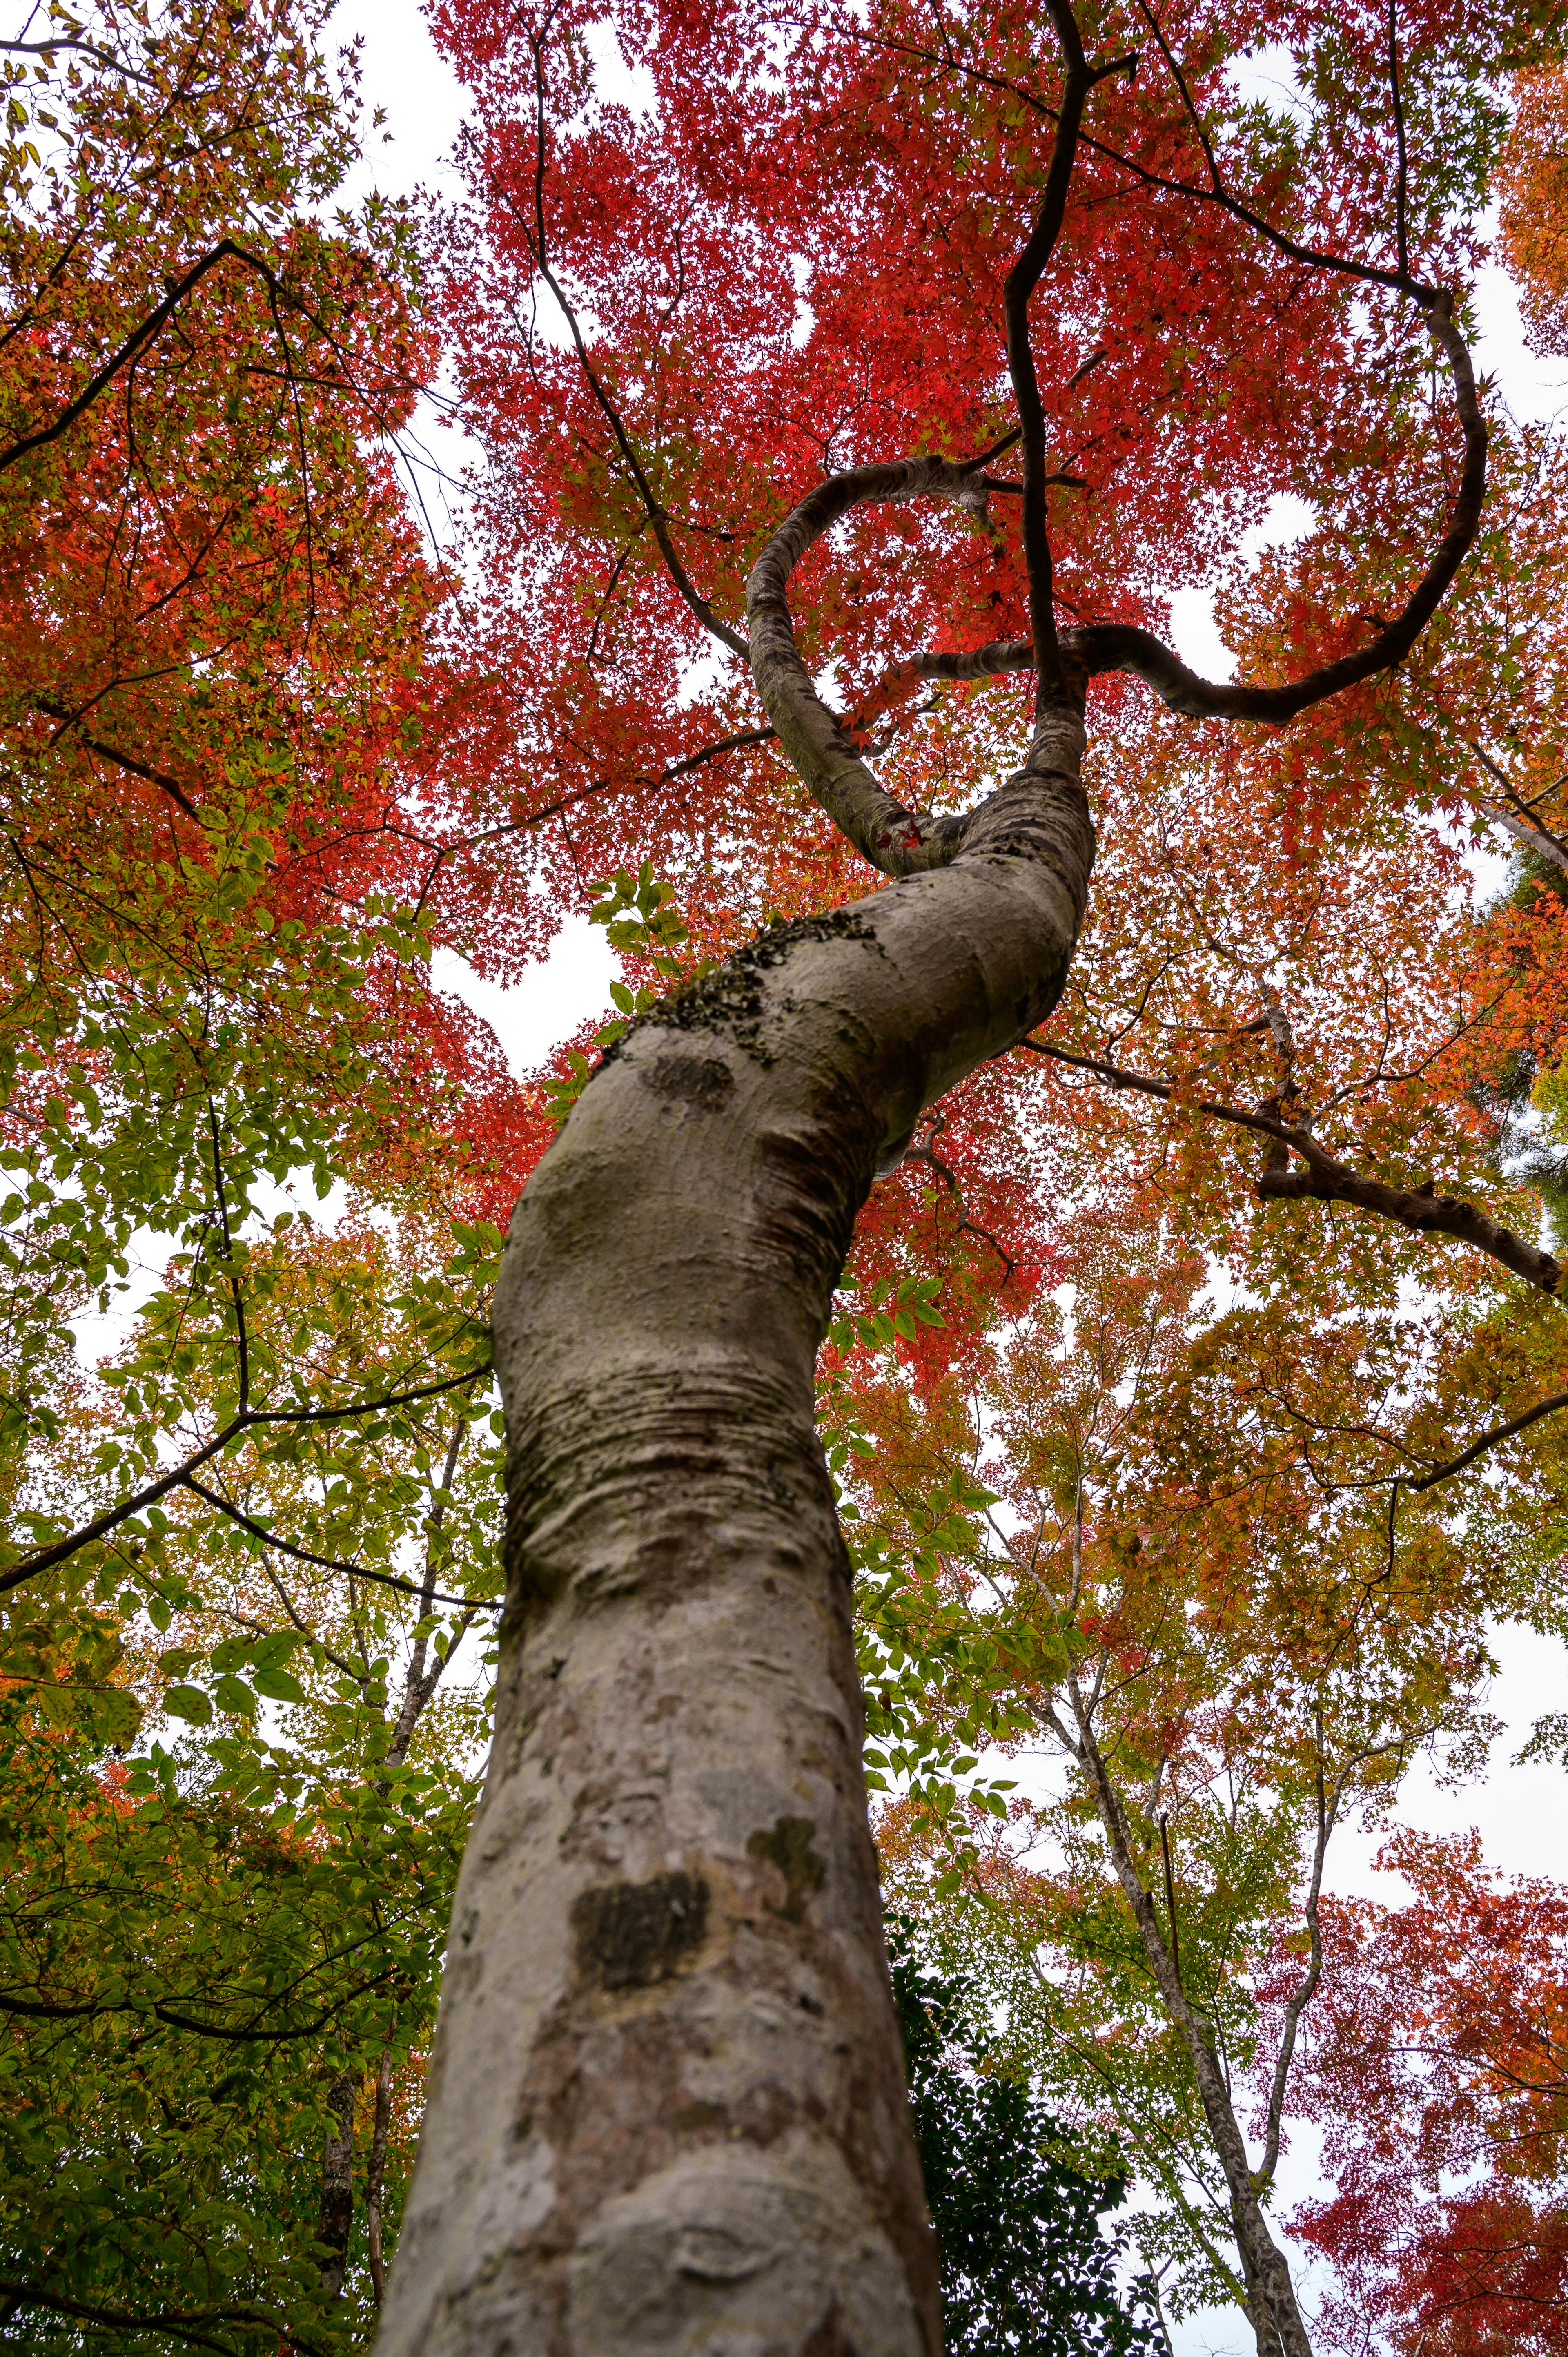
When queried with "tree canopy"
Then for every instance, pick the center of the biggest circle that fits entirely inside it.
(851, 400)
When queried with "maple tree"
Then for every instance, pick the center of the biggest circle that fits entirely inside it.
(700, 340)
(1436, 2065)
(1225, 1670)
(264, 754)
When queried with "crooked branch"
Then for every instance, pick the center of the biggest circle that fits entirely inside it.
(1021, 281)
(184, 2325)
(1327, 1180)
(140, 338)
(122, 759)
(271, 1538)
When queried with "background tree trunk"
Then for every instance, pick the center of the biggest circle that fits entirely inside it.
(667, 2104)
(338, 2184)
(375, 2176)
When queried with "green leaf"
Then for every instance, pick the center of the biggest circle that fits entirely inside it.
(277, 1685)
(188, 1702)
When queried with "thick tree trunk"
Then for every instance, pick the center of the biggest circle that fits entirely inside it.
(667, 2108)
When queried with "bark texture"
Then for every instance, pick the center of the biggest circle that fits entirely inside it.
(667, 2107)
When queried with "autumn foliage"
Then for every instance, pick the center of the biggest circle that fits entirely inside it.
(1137, 1411)
(1436, 2065)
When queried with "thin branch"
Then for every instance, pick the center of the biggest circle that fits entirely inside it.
(122, 760)
(1306, 1988)
(1170, 1895)
(60, 1549)
(345, 1668)
(173, 2323)
(657, 514)
(326, 1561)
(137, 341)
(418, 1687)
(100, 57)
(1402, 178)
(228, 2033)
(1368, 274)
(241, 1341)
(1488, 1440)
(927, 1154)
(1327, 1180)
(375, 2174)
(742, 740)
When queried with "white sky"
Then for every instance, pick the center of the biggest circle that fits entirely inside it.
(1520, 1811)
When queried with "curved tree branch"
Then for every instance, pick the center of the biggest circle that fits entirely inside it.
(226, 1506)
(1499, 1432)
(183, 2325)
(657, 514)
(178, 1476)
(137, 341)
(122, 760)
(1021, 281)
(1118, 646)
(894, 839)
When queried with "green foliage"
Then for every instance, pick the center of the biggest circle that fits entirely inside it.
(186, 1959)
(1016, 2202)
(644, 925)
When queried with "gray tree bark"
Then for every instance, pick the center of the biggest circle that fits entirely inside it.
(667, 2107)
(338, 2184)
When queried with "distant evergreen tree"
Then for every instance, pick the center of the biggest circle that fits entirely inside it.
(1026, 2271)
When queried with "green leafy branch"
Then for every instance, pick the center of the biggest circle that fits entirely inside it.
(642, 921)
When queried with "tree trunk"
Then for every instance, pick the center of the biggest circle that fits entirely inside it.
(375, 2176)
(667, 2106)
(338, 2184)
(1272, 2307)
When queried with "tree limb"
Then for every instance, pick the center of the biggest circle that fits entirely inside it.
(137, 341)
(1118, 646)
(175, 2324)
(1306, 1988)
(1020, 283)
(894, 839)
(215, 1499)
(1327, 1180)
(122, 760)
(44, 1558)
